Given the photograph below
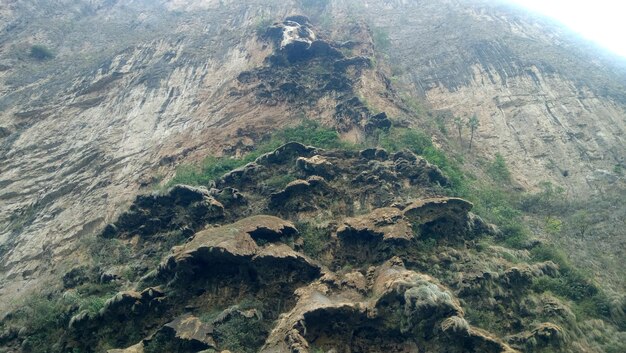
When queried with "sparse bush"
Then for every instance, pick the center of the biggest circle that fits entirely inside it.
(40, 52)
(381, 39)
(548, 200)
(440, 120)
(315, 239)
(262, 25)
(314, 4)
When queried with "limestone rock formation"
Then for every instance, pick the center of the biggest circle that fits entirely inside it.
(182, 207)
(255, 243)
(399, 311)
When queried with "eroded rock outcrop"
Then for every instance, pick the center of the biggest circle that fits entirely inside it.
(251, 244)
(185, 334)
(320, 180)
(403, 311)
(182, 207)
(446, 217)
(388, 224)
(355, 262)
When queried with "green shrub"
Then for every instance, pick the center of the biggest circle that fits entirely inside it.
(397, 139)
(240, 334)
(553, 225)
(44, 317)
(498, 171)
(497, 206)
(40, 52)
(314, 238)
(571, 284)
(279, 182)
(309, 132)
(211, 168)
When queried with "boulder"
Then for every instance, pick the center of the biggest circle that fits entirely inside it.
(286, 153)
(417, 169)
(241, 175)
(298, 194)
(432, 209)
(75, 277)
(374, 153)
(300, 19)
(128, 303)
(378, 121)
(357, 62)
(388, 224)
(316, 165)
(189, 332)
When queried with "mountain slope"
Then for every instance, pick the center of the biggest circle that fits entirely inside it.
(107, 115)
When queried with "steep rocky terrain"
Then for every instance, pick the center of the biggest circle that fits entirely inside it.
(304, 249)
(358, 253)
(550, 103)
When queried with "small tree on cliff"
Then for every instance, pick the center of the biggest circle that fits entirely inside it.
(458, 122)
(473, 125)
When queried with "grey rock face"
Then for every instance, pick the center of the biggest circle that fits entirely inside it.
(552, 104)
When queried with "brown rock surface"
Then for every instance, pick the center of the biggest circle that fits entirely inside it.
(387, 223)
(325, 310)
(238, 243)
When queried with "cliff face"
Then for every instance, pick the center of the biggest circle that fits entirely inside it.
(83, 132)
(114, 111)
(550, 103)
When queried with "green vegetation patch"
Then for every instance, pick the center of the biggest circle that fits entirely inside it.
(397, 139)
(381, 39)
(314, 238)
(571, 284)
(46, 317)
(498, 171)
(308, 133)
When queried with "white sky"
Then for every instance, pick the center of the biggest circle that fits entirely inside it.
(603, 21)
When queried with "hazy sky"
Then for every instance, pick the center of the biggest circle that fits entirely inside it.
(599, 20)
